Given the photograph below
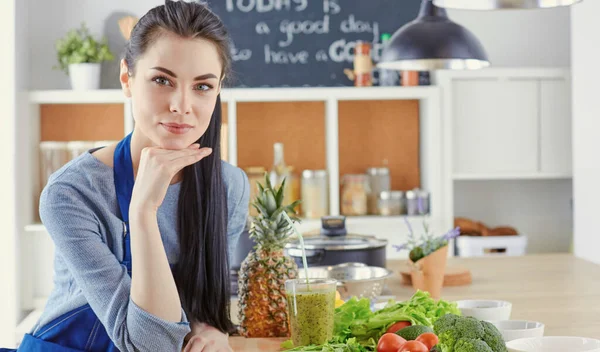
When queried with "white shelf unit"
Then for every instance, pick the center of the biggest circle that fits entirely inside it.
(507, 150)
(428, 96)
(36, 241)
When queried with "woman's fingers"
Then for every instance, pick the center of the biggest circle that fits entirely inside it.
(211, 347)
(196, 344)
(184, 161)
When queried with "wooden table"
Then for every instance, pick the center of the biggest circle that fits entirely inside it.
(558, 290)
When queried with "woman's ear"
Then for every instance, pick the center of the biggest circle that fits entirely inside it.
(125, 79)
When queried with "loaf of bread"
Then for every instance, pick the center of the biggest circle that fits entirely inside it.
(503, 231)
(471, 227)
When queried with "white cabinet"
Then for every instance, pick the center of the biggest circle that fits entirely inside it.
(495, 126)
(508, 124)
(555, 127)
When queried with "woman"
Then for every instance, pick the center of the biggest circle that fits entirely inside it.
(143, 266)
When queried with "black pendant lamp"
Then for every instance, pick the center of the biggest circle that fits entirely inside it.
(502, 4)
(431, 42)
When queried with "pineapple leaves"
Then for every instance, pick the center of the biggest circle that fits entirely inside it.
(268, 182)
(271, 203)
(270, 229)
(293, 205)
(279, 196)
(258, 206)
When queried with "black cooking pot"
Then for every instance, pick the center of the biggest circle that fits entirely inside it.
(335, 246)
(332, 246)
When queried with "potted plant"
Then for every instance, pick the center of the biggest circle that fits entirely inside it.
(80, 55)
(427, 258)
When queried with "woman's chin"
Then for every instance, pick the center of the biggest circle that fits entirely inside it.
(175, 143)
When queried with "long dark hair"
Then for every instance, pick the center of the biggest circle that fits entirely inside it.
(202, 272)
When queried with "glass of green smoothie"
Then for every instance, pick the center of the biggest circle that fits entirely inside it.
(311, 307)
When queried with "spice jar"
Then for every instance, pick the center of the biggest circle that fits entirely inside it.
(412, 203)
(391, 203)
(423, 202)
(354, 195)
(379, 181)
(315, 194)
(363, 65)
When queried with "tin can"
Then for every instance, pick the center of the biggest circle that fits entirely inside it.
(423, 202)
(412, 206)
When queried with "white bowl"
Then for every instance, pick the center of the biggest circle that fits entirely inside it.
(485, 309)
(554, 344)
(518, 329)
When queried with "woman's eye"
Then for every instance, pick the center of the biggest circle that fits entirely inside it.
(163, 81)
(203, 87)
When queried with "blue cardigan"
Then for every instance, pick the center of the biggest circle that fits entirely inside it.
(79, 208)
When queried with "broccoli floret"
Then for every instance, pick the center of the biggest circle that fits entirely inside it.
(447, 340)
(467, 334)
(444, 323)
(469, 327)
(471, 345)
(493, 337)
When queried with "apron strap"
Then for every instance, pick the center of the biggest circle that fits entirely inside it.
(123, 175)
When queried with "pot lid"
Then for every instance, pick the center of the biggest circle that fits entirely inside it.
(339, 243)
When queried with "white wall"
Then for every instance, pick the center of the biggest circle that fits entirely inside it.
(8, 250)
(586, 128)
(51, 20)
(511, 38)
(516, 38)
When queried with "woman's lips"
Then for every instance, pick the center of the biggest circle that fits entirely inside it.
(176, 128)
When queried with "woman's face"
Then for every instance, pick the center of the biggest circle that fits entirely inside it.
(174, 90)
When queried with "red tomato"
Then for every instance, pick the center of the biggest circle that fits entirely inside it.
(429, 339)
(390, 343)
(413, 346)
(398, 326)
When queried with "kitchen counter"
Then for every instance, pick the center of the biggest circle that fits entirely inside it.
(558, 290)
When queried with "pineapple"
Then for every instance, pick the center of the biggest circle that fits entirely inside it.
(262, 300)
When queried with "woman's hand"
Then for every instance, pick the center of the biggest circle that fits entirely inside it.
(205, 338)
(157, 169)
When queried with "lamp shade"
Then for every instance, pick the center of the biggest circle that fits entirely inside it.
(432, 41)
(502, 4)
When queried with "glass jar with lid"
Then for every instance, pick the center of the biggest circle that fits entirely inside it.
(379, 181)
(355, 188)
(315, 194)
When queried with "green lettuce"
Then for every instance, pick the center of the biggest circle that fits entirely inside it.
(356, 326)
(421, 309)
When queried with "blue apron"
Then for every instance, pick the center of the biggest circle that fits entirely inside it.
(80, 329)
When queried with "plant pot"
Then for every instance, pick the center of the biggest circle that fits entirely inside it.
(84, 76)
(427, 274)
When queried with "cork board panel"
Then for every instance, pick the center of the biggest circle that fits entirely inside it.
(381, 133)
(224, 112)
(86, 122)
(81, 122)
(300, 126)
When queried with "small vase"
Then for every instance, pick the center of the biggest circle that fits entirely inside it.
(427, 274)
(84, 76)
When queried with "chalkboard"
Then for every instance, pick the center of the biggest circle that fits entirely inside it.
(296, 43)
